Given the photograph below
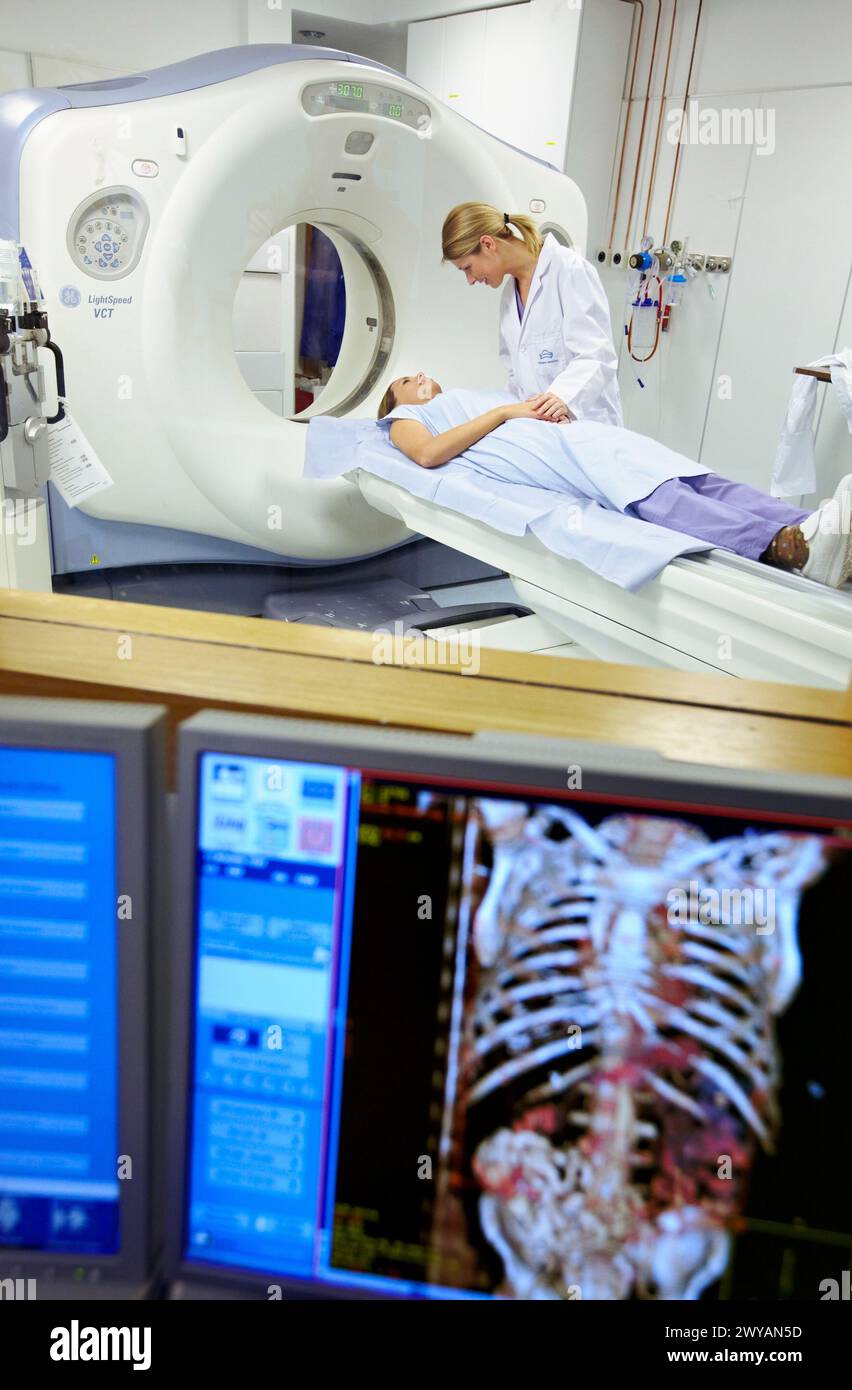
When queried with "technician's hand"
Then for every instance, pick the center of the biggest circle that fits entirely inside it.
(524, 410)
(549, 407)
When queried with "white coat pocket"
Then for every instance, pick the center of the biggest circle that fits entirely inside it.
(546, 355)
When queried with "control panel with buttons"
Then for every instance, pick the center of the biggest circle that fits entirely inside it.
(107, 231)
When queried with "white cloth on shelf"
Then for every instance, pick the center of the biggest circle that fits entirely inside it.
(794, 470)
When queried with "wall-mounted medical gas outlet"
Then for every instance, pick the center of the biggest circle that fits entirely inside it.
(606, 256)
(106, 233)
(651, 261)
(663, 258)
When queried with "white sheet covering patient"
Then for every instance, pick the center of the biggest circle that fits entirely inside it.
(573, 485)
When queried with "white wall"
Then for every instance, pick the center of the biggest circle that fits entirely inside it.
(510, 70)
(14, 71)
(125, 35)
(391, 11)
(782, 216)
(384, 43)
(597, 105)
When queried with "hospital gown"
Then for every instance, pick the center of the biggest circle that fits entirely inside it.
(570, 485)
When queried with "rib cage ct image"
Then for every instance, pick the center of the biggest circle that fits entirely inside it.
(629, 1057)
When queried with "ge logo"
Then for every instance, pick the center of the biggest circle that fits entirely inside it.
(545, 355)
(69, 295)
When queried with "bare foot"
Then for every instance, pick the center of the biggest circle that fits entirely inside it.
(788, 549)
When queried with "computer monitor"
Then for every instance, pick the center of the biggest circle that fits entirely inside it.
(81, 877)
(496, 1017)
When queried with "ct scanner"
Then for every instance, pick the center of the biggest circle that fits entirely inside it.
(141, 200)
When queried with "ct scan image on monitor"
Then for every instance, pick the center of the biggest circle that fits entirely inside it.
(455, 1030)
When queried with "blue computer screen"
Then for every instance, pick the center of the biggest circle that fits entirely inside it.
(453, 1042)
(59, 1189)
(273, 877)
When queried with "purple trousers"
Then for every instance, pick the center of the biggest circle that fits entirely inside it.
(731, 515)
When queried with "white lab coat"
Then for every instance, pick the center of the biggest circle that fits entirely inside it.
(564, 342)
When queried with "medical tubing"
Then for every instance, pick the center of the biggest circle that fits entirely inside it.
(653, 178)
(658, 322)
(680, 132)
(644, 121)
(628, 114)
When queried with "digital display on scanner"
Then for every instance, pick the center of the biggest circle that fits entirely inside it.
(59, 1189)
(368, 98)
(456, 1042)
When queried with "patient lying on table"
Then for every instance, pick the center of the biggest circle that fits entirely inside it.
(500, 438)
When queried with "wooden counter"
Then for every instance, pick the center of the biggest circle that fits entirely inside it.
(92, 648)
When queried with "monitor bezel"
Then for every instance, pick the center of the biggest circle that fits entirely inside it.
(497, 762)
(135, 736)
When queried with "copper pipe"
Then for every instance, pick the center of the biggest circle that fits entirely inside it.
(634, 3)
(653, 178)
(642, 129)
(665, 241)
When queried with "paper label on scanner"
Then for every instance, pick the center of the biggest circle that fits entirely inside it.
(75, 468)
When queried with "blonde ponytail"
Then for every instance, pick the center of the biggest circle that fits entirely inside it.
(387, 403)
(465, 224)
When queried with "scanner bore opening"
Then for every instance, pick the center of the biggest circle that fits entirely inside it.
(314, 321)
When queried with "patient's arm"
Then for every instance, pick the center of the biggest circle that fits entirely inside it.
(431, 450)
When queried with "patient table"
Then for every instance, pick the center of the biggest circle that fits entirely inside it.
(713, 612)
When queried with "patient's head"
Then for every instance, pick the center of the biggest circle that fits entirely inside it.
(408, 390)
